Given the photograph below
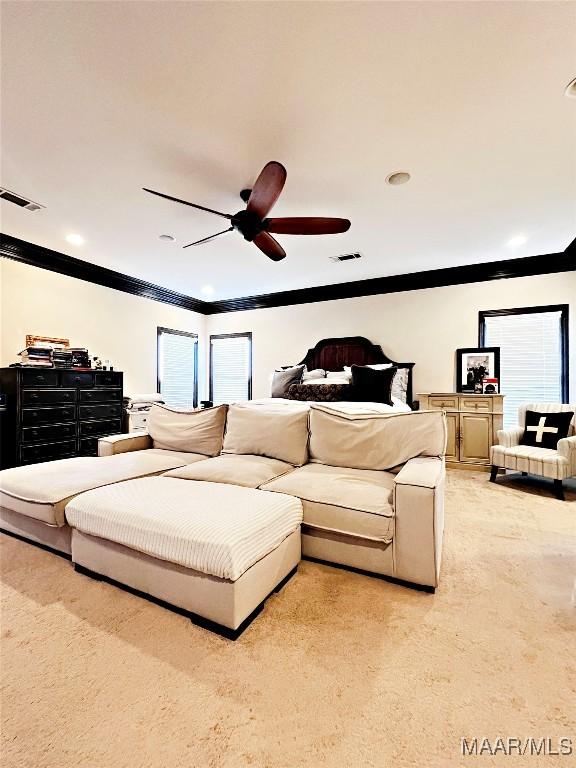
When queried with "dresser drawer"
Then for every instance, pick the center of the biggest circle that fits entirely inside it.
(51, 432)
(47, 451)
(476, 404)
(88, 446)
(34, 416)
(76, 379)
(100, 395)
(48, 396)
(39, 378)
(108, 379)
(101, 411)
(446, 402)
(100, 428)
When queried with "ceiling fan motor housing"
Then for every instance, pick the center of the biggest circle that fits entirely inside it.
(248, 224)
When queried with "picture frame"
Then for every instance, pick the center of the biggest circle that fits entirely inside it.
(473, 364)
(33, 340)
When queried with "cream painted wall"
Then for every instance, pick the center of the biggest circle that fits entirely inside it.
(112, 324)
(425, 326)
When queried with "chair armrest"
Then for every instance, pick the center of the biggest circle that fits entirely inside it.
(510, 437)
(567, 447)
(134, 441)
(419, 520)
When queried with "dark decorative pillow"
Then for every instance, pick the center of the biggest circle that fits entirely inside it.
(370, 385)
(543, 430)
(284, 378)
(330, 393)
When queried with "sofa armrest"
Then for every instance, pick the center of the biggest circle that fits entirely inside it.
(510, 437)
(134, 441)
(419, 520)
(567, 447)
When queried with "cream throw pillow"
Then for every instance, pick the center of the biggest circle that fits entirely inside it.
(188, 431)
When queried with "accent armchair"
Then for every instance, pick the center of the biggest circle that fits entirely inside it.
(556, 464)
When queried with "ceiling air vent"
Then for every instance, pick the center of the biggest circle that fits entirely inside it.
(22, 202)
(346, 257)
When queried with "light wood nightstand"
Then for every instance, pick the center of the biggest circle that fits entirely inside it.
(472, 420)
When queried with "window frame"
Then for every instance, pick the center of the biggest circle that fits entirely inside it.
(245, 334)
(564, 354)
(159, 331)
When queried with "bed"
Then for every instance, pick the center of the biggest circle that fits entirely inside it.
(335, 353)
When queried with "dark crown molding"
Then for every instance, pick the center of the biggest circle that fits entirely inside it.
(37, 256)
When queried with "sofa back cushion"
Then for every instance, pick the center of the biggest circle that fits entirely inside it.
(374, 441)
(189, 431)
(276, 430)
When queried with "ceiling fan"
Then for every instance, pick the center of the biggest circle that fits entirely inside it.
(252, 222)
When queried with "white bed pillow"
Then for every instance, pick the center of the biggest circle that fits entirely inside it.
(316, 373)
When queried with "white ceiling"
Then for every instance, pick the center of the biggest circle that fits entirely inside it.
(189, 98)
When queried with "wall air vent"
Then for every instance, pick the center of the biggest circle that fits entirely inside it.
(346, 257)
(21, 202)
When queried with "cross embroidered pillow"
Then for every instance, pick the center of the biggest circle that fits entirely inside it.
(543, 430)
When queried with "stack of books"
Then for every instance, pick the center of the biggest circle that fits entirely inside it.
(37, 357)
(62, 358)
(80, 357)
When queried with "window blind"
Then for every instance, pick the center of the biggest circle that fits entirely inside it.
(177, 367)
(530, 358)
(230, 368)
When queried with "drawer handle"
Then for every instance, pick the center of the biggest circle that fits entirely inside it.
(39, 378)
(34, 396)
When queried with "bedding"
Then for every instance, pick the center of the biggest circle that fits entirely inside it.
(344, 406)
(319, 392)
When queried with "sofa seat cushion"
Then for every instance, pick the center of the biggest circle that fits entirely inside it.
(41, 491)
(526, 458)
(216, 529)
(355, 502)
(234, 469)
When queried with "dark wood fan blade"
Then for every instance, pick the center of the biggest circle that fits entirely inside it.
(269, 246)
(266, 189)
(207, 239)
(307, 225)
(185, 202)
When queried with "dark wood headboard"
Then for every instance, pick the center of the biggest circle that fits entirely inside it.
(334, 354)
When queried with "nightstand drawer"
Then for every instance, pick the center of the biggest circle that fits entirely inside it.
(476, 404)
(100, 411)
(51, 432)
(39, 378)
(446, 403)
(108, 379)
(33, 416)
(47, 451)
(72, 379)
(48, 396)
(100, 428)
(100, 395)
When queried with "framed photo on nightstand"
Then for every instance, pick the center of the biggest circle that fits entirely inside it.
(473, 365)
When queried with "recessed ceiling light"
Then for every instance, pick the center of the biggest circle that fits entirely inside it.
(207, 290)
(517, 241)
(166, 238)
(570, 89)
(398, 177)
(74, 239)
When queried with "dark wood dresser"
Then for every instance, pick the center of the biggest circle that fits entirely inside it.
(56, 413)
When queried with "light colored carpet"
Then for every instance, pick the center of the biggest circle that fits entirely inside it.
(339, 670)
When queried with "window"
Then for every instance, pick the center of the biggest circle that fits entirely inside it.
(533, 354)
(177, 358)
(230, 367)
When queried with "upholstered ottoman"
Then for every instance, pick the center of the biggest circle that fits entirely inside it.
(214, 550)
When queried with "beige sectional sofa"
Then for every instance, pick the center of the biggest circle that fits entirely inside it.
(212, 509)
